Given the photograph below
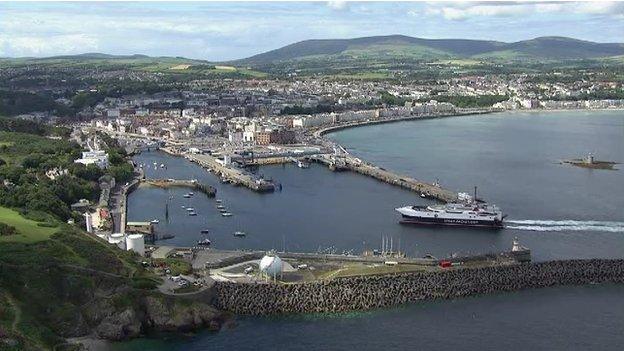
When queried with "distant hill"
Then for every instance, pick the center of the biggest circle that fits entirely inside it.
(98, 56)
(400, 46)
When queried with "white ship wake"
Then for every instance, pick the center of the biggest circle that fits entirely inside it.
(565, 225)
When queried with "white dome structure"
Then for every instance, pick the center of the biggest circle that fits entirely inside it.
(136, 243)
(271, 265)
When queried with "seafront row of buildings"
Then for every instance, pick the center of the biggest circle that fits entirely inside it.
(184, 123)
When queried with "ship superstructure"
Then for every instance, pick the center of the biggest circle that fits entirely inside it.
(468, 211)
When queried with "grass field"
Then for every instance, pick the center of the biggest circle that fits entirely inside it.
(28, 230)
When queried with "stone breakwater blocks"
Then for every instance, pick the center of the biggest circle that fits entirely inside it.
(369, 292)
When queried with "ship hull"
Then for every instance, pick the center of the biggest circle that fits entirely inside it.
(451, 222)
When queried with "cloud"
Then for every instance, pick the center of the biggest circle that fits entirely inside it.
(36, 46)
(338, 5)
(460, 11)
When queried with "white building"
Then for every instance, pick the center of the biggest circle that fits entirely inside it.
(314, 120)
(97, 157)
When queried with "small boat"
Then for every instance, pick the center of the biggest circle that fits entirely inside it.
(190, 209)
(220, 207)
(193, 213)
(154, 221)
(226, 214)
(191, 193)
(222, 210)
(183, 206)
(218, 201)
(204, 231)
(303, 164)
(240, 234)
(204, 242)
(423, 195)
(162, 165)
(186, 196)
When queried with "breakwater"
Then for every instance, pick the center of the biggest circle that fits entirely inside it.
(369, 292)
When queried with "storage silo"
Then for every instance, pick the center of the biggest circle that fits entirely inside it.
(136, 243)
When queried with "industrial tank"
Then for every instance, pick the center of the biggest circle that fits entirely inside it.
(117, 239)
(136, 243)
(271, 265)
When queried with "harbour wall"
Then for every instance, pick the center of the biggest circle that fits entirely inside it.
(369, 292)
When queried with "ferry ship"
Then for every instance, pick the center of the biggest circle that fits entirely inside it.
(468, 212)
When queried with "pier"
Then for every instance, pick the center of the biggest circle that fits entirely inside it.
(342, 162)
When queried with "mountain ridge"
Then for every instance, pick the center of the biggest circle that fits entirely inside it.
(546, 47)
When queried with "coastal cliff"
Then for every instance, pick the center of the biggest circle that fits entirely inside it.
(369, 292)
(75, 285)
(150, 313)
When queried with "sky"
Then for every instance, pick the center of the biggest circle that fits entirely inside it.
(220, 31)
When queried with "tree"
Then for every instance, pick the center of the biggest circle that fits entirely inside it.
(122, 173)
(89, 172)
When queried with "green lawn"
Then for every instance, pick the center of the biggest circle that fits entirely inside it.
(29, 230)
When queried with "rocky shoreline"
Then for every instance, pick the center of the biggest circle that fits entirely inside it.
(370, 292)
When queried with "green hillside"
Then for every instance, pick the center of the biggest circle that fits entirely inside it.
(27, 230)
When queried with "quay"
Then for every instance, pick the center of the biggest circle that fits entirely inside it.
(227, 173)
(233, 175)
(190, 183)
(210, 259)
